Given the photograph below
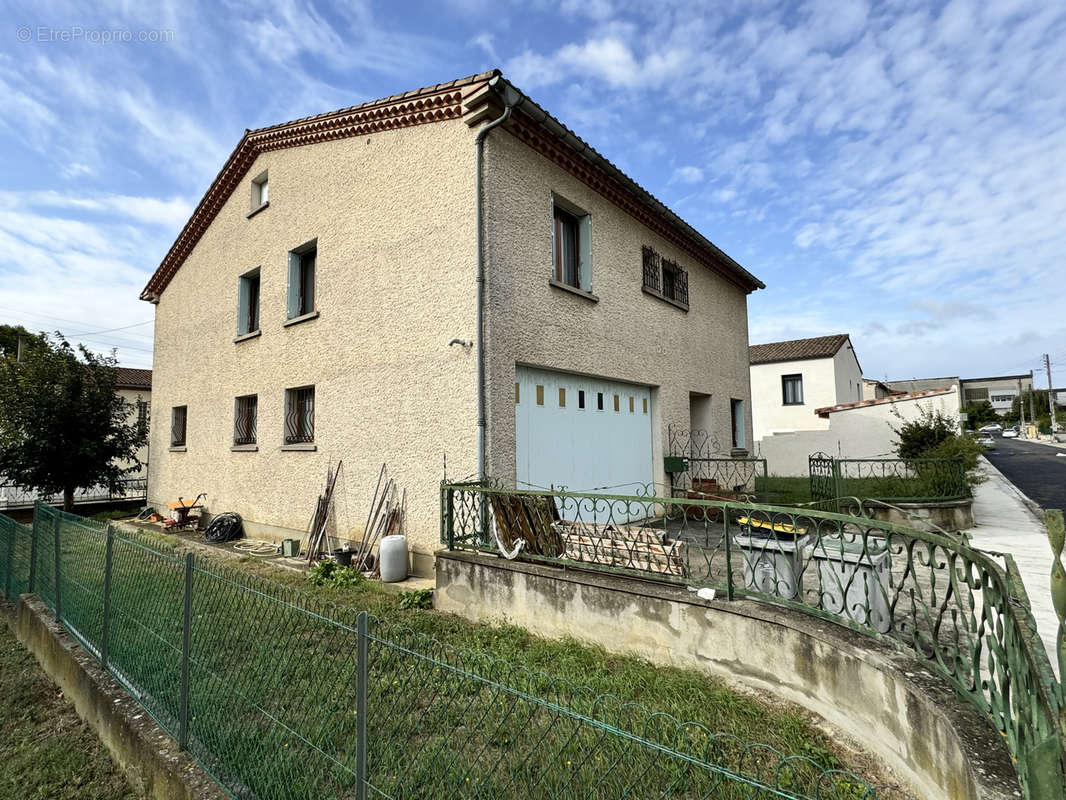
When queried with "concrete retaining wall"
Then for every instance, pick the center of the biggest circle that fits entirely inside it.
(897, 709)
(150, 759)
(951, 516)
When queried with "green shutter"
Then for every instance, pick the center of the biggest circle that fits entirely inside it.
(293, 305)
(584, 249)
(242, 306)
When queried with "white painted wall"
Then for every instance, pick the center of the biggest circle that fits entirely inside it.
(769, 414)
(863, 432)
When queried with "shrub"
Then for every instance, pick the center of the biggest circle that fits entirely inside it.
(919, 436)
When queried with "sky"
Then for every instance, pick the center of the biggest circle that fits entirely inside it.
(896, 171)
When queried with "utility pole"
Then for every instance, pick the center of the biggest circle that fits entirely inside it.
(1032, 412)
(1021, 406)
(18, 358)
(1050, 393)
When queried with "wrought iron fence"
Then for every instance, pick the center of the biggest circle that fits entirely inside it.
(912, 480)
(279, 696)
(950, 606)
(699, 469)
(14, 496)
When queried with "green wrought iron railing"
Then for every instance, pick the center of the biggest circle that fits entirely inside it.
(955, 609)
(896, 480)
(279, 696)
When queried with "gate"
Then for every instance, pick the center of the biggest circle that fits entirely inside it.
(706, 469)
(823, 474)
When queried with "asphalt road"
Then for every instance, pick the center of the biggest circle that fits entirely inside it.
(1037, 470)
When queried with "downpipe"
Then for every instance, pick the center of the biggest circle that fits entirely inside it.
(512, 99)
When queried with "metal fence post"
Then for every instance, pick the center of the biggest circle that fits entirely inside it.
(449, 510)
(105, 638)
(362, 652)
(58, 575)
(186, 643)
(728, 554)
(33, 548)
(9, 565)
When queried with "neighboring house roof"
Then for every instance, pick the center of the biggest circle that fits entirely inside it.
(1024, 377)
(895, 398)
(529, 123)
(129, 378)
(797, 349)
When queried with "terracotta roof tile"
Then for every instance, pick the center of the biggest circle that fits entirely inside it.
(797, 349)
(129, 378)
(893, 398)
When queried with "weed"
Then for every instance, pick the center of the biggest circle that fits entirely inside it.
(419, 598)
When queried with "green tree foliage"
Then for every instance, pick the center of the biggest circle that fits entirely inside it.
(918, 436)
(978, 414)
(62, 425)
(9, 340)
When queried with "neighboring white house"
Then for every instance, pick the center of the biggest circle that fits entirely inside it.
(790, 379)
(863, 429)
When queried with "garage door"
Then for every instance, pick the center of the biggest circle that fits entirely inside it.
(587, 434)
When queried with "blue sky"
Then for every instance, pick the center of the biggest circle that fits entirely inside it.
(895, 171)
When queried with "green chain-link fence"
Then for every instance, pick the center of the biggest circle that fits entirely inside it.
(280, 696)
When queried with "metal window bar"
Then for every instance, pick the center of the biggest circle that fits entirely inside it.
(300, 415)
(246, 412)
(675, 281)
(178, 421)
(651, 268)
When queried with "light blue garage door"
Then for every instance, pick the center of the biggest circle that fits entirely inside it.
(583, 433)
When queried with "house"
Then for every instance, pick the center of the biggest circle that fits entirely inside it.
(999, 390)
(860, 429)
(447, 278)
(135, 387)
(873, 389)
(790, 379)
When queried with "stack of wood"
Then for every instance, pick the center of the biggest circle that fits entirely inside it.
(317, 535)
(388, 509)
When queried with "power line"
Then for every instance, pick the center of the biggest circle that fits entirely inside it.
(112, 330)
(38, 315)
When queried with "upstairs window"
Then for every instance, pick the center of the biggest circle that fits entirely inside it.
(301, 294)
(792, 390)
(143, 413)
(260, 191)
(572, 247)
(675, 282)
(178, 420)
(245, 417)
(664, 278)
(248, 303)
(300, 415)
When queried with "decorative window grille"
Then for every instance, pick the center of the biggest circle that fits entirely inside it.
(178, 420)
(675, 282)
(300, 415)
(651, 269)
(245, 414)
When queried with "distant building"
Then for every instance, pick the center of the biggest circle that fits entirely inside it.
(792, 378)
(1000, 391)
(876, 390)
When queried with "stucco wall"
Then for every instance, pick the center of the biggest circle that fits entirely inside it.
(627, 335)
(132, 396)
(848, 375)
(863, 432)
(770, 414)
(394, 217)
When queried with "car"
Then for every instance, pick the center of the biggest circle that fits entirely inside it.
(1010, 433)
(995, 427)
(987, 442)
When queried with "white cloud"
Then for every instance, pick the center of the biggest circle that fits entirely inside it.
(687, 174)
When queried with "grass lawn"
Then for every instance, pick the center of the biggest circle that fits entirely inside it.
(455, 708)
(46, 751)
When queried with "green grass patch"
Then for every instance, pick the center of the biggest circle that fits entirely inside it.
(782, 490)
(46, 750)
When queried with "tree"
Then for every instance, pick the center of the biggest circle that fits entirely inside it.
(920, 435)
(978, 414)
(1039, 405)
(9, 340)
(62, 425)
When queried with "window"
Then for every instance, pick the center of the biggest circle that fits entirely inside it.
(792, 390)
(976, 395)
(599, 401)
(178, 423)
(736, 408)
(664, 278)
(572, 252)
(540, 395)
(248, 303)
(245, 412)
(300, 415)
(143, 412)
(301, 298)
(581, 398)
(562, 397)
(260, 191)
(675, 282)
